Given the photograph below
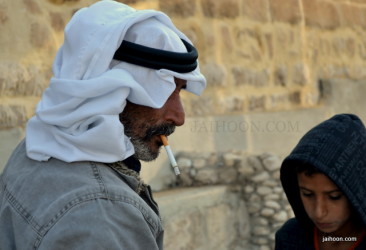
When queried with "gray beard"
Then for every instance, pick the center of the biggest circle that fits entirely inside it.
(142, 151)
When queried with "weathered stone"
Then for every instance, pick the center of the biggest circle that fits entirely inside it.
(260, 177)
(256, 10)
(3, 14)
(260, 221)
(272, 163)
(248, 189)
(263, 190)
(256, 163)
(257, 103)
(272, 204)
(39, 34)
(202, 106)
(264, 247)
(247, 77)
(32, 6)
(220, 9)
(57, 21)
(254, 198)
(280, 76)
(299, 74)
(276, 175)
(230, 160)
(184, 162)
(215, 74)
(270, 183)
(228, 175)
(17, 80)
(353, 15)
(321, 14)
(245, 170)
(285, 11)
(253, 208)
(260, 240)
(183, 8)
(12, 116)
(274, 197)
(233, 104)
(260, 230)
(199, 163)
(267, 212)
(207, 176)
(280, 216)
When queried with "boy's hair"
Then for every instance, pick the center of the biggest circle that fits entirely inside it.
(307, 169)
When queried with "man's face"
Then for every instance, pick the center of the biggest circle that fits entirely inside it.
(144, 125)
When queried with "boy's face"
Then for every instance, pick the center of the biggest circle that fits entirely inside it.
(324, 203)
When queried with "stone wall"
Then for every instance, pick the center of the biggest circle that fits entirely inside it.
(267, 62)
(266, 55)
(253, 179)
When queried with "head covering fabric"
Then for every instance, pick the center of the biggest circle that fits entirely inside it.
(337, 148)
(77, 118)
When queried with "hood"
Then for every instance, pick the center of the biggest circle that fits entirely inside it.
(77, 118)
(337, 148)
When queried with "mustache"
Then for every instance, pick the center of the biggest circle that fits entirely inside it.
(164, 129)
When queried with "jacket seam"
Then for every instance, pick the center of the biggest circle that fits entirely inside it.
(89, 197)
(20, 210)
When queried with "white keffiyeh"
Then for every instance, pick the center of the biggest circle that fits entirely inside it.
(77, 118)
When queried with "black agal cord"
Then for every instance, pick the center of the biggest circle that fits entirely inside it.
(158, 59)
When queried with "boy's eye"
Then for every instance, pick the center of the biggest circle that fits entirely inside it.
(335, 197)
(307, 194)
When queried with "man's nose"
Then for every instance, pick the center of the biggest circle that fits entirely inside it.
(174, 111)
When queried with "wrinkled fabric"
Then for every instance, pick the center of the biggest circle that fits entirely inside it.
(81, 205)
(77, 118)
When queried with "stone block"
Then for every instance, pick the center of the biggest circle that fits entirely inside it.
(57, 21)
(215, 74)
(353, 15)
(272, 163)
(257, 103)
(179, 8)
(3, 14)
(287, 11)
(207, 177)
(18, 80)
(12, 116)
(220, 9)
(280, 76)
(321, 14)
(299, 74)
(233, 104)
(197, 218)
(40, 34)
(247, 77)
(9, 139)
(256, 10)
(32, 7)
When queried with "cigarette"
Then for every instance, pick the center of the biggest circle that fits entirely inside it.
(169, 151)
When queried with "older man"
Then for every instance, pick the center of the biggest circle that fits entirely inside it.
(73, 183)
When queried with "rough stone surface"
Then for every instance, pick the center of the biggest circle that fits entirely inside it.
(255, 179)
